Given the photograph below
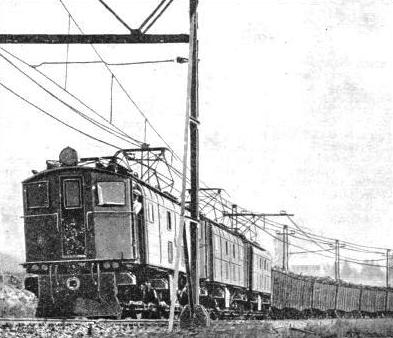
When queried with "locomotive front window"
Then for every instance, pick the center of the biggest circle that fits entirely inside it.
(72, 192)
(37, 195)
(111, 193)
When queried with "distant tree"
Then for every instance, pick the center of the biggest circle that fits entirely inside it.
(371, 272)
(347, 272)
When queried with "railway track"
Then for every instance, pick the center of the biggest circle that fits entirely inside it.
(84, 322)
(162, 323)
(45, 327)
(133, 327)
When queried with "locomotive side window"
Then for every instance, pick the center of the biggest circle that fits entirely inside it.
(111, 193)
(169, 220)
(234, 251)
(37, 195)
(72, 191)
(217, 245)
(170, 252)
(150, 208)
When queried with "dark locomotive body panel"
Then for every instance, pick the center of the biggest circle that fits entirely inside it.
(66, 220)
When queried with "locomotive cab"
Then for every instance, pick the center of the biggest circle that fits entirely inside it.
(81, 237)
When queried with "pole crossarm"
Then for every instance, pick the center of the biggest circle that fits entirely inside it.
(92, 38)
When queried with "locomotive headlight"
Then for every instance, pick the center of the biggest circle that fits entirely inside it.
(68, 157)
(73, 283)
(44, 267)
(115, 265)
(107, 265)
(35, 267)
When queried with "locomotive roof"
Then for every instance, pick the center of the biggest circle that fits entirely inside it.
(47, 172)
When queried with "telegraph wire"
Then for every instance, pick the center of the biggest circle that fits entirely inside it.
(343, 258)
(96, 123)
(57, 119)
(353, 245)
(104, 62)
(126, 92)
(118, 130)
(321, 254)
(147, 120)
(331, 240)
(119, 83)
(111, 111)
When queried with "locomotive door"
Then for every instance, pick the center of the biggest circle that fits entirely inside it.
(73, 231)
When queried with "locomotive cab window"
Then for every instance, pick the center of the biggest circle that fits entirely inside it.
(72, 193)
(111, 193)
(37, 195)
(150, 208)
(169, 220)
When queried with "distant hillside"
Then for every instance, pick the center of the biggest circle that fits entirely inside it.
(10, 263)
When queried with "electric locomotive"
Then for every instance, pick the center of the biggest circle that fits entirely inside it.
(101, 243)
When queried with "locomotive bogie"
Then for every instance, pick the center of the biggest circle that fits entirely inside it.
(81, 295)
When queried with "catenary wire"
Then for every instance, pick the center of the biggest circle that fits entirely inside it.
(99, 125)
(73, 96)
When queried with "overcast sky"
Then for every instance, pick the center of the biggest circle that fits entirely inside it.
(295, 104)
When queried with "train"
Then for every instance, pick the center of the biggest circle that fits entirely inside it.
(100, 242)
(96, 236)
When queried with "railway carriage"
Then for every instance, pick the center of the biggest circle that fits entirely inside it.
(260, 279)
(348, 297)
(235, 272)
(304, 296)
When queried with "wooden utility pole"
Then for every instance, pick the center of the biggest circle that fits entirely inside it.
(285, 248)
(337, 260)
(194, 152)
(387, 267)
